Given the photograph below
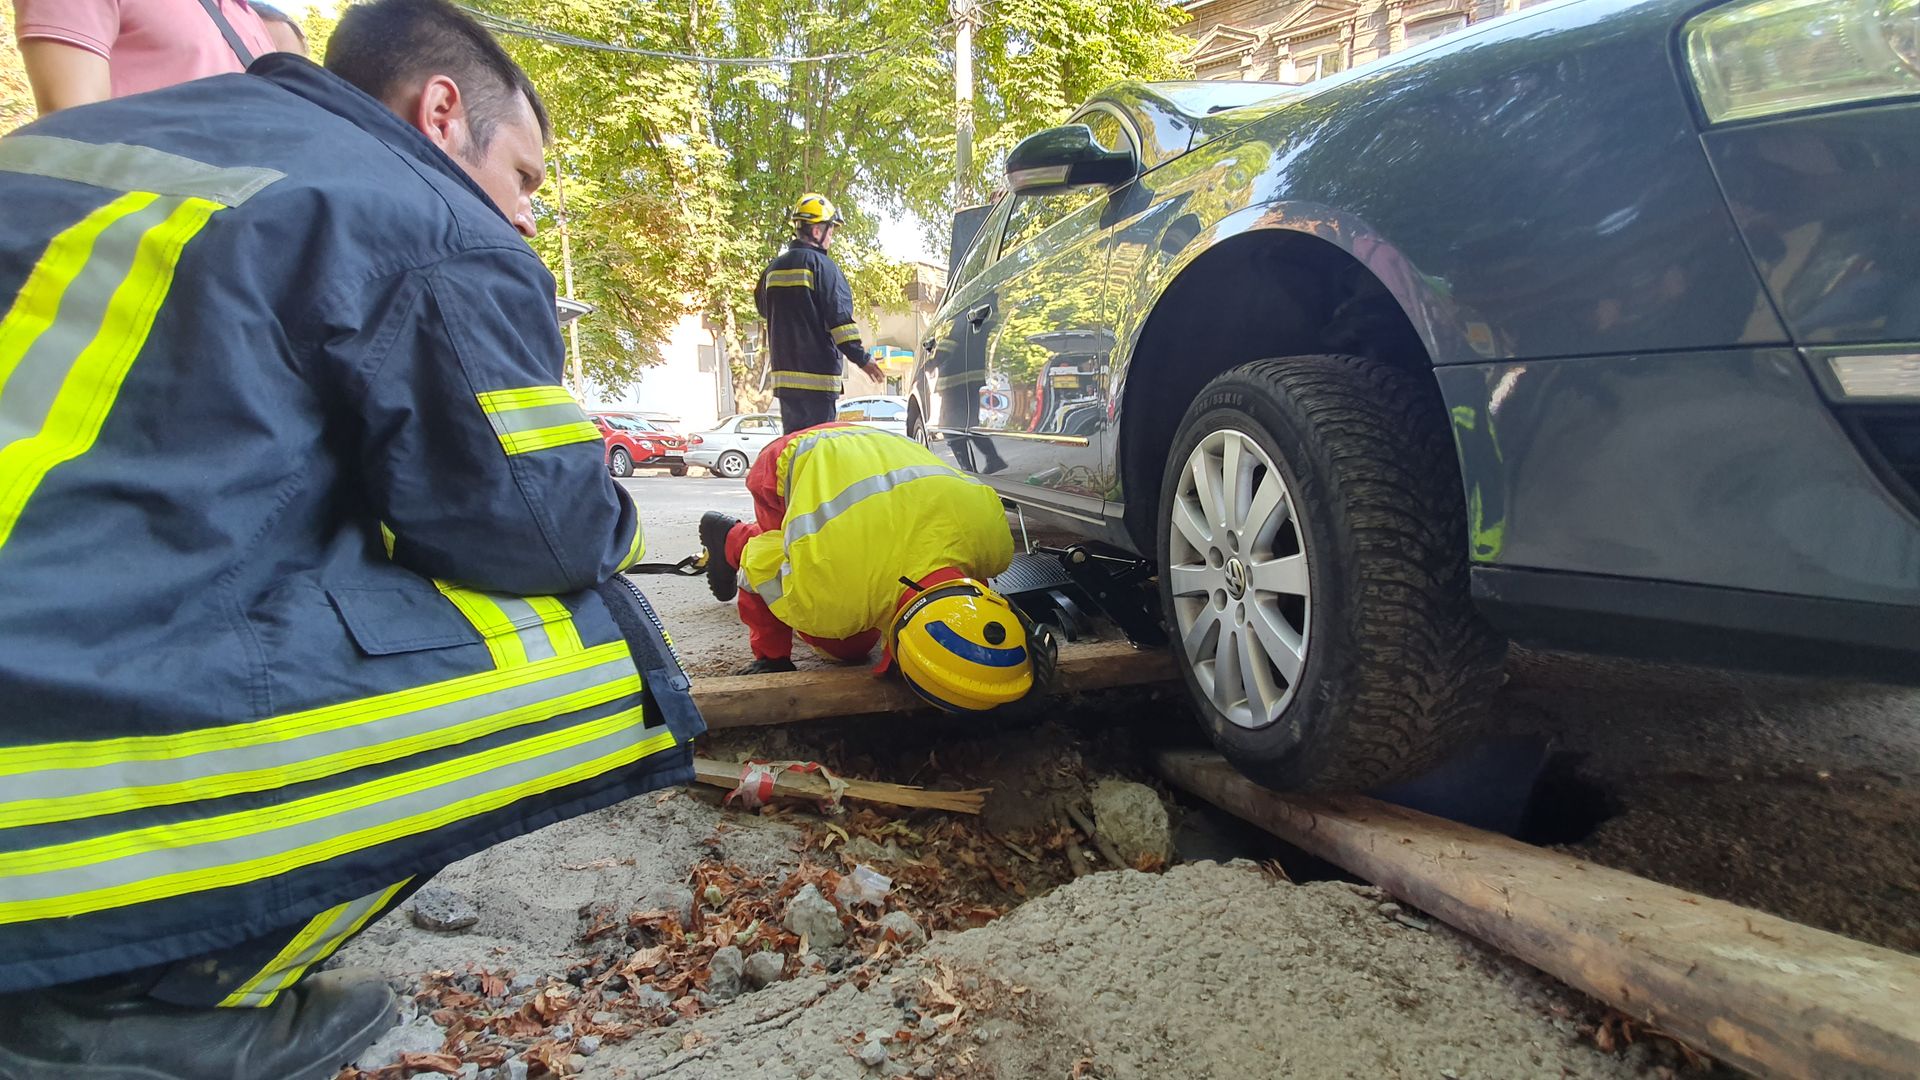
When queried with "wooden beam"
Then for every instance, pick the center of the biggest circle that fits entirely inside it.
(1773, 997)
(789, 697)
(802, 785)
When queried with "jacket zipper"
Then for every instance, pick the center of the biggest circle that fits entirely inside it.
(646, 608)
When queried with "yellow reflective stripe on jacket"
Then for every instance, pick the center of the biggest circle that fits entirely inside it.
(531, 418)
(515, 629)
(806, 380)
(76, 327)
(800, 277)
(845, 333)
(637, 548)
(126, 167)
(320, 938)
(161, 861)
(69, 781)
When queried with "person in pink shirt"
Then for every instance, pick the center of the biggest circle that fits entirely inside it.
(82, 51)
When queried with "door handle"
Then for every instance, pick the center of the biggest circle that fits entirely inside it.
(932, 345)
(979, 315)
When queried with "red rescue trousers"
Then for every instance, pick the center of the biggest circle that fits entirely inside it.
(771, 638)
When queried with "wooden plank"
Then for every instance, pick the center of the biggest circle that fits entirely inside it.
(1774, 997)
(790, 697)
(726, 774)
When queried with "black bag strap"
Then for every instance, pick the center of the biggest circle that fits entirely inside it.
(227, 31)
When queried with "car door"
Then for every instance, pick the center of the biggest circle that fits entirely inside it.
(953, 378)
(756, 432)
(1046, 339)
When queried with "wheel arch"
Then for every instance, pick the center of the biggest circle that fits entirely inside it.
(1264, 290)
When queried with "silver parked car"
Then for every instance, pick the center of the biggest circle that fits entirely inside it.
(729, 449)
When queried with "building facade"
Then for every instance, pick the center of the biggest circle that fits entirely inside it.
(1299, 41)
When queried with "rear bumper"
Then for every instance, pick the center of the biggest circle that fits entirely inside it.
(706, 459)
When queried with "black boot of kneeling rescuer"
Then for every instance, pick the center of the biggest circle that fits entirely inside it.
(714, 527)
(763, 666)
(307, 1033)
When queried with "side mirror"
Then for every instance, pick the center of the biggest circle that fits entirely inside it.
(1066, 157)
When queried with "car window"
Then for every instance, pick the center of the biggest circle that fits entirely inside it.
(756, 425)
(981, 253)
(853, 412)
(1034, 214)
(885, 410)
(1107, 130)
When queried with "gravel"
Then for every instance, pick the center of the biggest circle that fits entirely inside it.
(418, 1036)
(904, 929)
(1131, 818)
(436, 907)
(813, 916)
(764, 969)
(724, 973)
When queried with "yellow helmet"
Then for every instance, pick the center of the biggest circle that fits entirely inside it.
(962, 647)
(813, 209)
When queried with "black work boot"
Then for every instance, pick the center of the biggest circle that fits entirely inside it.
(714, 527)
(763, 666)
(308, 1033)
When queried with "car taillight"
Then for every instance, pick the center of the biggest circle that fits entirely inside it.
(696, 441)
(1763, 57)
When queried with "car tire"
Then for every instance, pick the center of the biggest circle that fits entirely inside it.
(732, 465)
(620, 463)
(1353, 578)
(676, 470)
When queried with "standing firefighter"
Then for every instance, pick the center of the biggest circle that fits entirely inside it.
(859, 535)
(808, 309)
(308, 566)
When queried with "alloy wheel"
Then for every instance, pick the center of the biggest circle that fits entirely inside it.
(1237, 568)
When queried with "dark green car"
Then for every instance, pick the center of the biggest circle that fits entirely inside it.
(1596, 326)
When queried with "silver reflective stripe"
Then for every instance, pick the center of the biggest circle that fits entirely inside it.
(805, 525)
(801, 447)
(28, 395)
(529, 627)
(125, 167)
(287, 842)
(508, 421)
(59, 783)
(331, 937)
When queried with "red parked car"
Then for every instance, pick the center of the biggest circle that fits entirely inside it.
(634, 441)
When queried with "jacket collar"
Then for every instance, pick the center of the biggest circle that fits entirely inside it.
(304, 78)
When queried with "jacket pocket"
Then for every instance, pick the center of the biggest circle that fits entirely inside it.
(388, 619)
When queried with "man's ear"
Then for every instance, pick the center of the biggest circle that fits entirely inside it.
(440, 113)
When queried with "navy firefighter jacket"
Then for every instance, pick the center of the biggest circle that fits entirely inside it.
(307, 561)
(808, 309)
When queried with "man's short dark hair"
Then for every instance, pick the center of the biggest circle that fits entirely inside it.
(387, 46)
(269, 13)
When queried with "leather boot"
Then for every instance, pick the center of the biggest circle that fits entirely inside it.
(763, 666)
(721, 578)
(308, 1033)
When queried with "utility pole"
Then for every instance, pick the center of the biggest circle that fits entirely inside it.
(962, 13)
(574, 375)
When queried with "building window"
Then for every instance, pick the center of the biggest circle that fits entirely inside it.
(1318, 65)
(1429, 29)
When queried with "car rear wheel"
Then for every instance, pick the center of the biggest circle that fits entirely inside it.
(620, 463)
(676, 470)
(732, 465)
(1313, 554)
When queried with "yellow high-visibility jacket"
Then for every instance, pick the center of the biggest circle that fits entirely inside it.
(864, 508)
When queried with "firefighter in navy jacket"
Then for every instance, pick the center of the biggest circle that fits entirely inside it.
(308, 566)
(808, 308)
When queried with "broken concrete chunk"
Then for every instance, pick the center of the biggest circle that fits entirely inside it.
(814, 917)
(873, 1054)
(653, 998)
(419, 1036)
(724, 973)
(764, 969)
(904, 929)
(1131, 818)
(588, 1044)
(439, 908)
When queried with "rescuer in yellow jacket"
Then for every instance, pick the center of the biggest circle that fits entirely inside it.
(860, 534)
